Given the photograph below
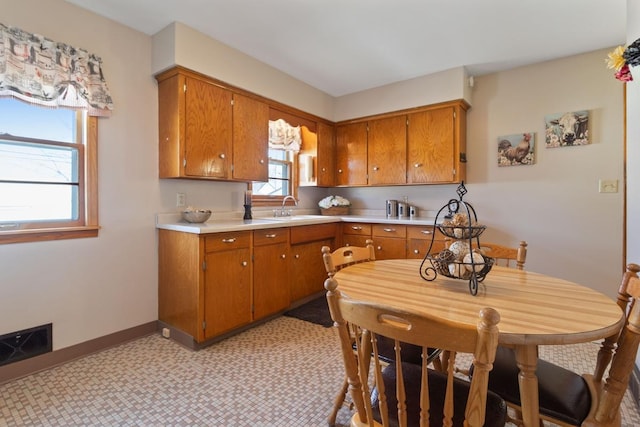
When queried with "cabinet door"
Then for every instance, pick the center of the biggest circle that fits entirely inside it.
(307, 269)
(227, 292)
(250, 139)
(431, 146)
(271, 279)
(207, 130)
(387, 150)
(326, 159)
(390, 247)
(351, 154)
(171, 127)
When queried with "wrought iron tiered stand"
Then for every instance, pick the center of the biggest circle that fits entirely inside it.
(465, 237)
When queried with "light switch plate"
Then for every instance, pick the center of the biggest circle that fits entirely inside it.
(181, 199)
(608, 186)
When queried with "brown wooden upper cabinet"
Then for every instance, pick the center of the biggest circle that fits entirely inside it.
(432, 151)
(326, 160)
(208, 131)
(424, 145)
(387, 150)
(351, 154)
(211, 130)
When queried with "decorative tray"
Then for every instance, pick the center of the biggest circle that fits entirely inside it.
(459, 269)
(462, 231)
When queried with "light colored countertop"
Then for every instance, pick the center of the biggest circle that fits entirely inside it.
(223, 224)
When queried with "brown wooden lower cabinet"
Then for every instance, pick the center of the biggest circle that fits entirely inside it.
(210, 285)
(307, 268)
(389, 240)
(419, 240)
(227, 282)
(270, 271)
(355, 234)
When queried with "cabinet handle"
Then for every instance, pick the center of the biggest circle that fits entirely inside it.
(389, 230)
(417, 165)
(355, 227)
(427, 232)
(270, 236)
(339, 170)
(232, 240)
(416, 251)
(379, 248)
(297, 256)
(243, 263)
(222, 156)
(262, 161)
(283, 256)
(376, 168)
(324, 169)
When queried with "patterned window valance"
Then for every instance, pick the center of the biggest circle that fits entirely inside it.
(283, 136)
(41, 71)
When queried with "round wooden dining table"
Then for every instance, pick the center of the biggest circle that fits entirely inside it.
(535, 309)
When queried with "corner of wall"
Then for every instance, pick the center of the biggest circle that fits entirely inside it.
(163, 49)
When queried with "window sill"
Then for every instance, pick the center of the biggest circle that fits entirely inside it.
(40, 235)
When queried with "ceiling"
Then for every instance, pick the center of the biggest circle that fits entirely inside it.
(345, 46)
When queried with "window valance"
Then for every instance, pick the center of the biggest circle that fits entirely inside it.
(52, 74)
(283, 136)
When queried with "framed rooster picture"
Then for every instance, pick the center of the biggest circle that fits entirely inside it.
(516, 149)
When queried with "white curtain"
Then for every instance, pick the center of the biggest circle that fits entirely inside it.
(44, 72)
(283, 136)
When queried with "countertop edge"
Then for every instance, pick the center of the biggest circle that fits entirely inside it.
(266, 223)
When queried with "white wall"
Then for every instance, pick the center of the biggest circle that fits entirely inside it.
(444, 86)
(92, 287)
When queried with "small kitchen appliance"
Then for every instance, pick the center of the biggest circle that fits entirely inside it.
(392, 208)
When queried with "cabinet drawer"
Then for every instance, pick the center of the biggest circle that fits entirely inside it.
(311, 233)
(225, 241)
(270, 236)
(389, 230)
(423, 232)
(359, 229)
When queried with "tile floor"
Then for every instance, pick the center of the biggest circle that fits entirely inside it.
(284, 373)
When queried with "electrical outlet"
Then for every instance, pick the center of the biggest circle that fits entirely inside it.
(181, 200)
(166, 332)
(608, 186)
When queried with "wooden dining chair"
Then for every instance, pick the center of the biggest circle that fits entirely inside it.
(567, 398)
(334, 262)
(407, 394)
(506, 256)
(346, 255)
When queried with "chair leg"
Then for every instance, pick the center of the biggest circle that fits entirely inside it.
(338, 402)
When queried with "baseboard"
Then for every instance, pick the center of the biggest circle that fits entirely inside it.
(49, 360)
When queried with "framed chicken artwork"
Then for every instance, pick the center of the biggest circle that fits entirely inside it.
(516, 149)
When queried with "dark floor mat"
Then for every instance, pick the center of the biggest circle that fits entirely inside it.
(315, 311)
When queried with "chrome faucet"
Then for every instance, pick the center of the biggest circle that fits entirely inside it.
(284, 201)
